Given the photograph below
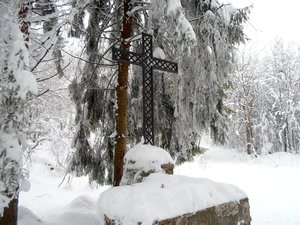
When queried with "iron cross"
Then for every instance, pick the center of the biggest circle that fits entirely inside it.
(148, 62)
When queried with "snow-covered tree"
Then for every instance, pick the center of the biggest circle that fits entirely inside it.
(201, 36)
(245, 97)
(51, 113)
(93, 98)
(283, 79)
(45, 13)
(17, 85)
(264, 99)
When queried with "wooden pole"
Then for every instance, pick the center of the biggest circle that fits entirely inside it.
(122, 98)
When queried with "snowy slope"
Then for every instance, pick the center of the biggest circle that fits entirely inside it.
(271, 182)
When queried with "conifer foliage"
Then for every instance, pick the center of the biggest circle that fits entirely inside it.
(17, 86)
(93, 99)
(200, 35)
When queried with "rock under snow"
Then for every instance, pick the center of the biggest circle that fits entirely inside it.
(160, 197)
(142, 160)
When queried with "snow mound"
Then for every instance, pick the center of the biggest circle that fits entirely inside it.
(27, 217)
(143, 154)
(76, 218)
(162, 196)
(80, 211)
(141, 160)
(82, 203)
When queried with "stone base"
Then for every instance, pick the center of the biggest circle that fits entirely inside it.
(231, 213)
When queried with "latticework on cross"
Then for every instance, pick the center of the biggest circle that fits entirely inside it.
(148, 62)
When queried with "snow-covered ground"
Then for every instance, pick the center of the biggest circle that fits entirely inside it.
(271, 182)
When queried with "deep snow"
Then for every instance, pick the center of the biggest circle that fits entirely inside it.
(271, 182)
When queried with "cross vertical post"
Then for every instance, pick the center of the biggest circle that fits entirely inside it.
(148, 62)
(148, 101)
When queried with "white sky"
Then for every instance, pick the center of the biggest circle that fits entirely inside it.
(271, 19)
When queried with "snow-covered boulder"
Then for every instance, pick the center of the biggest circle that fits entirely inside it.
(172, 199)
(142, 160)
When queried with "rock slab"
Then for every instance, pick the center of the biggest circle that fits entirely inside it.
(231, 213)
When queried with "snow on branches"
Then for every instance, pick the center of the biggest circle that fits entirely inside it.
(17, 85)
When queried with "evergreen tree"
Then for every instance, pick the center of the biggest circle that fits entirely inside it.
(202, 36)
(17, 85)
(94, 101)
(245, 98)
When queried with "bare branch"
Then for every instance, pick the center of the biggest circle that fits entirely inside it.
(48, 78)
(99, 64)
(44, 92)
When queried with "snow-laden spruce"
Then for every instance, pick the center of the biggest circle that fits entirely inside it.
(191, 102)
(17, 85)
(200, 36)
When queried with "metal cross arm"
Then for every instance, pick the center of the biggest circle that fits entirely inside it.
(125, 56)
(144, 58)
(148, 62)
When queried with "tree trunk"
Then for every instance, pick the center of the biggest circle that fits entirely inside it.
(249, 134)
(10, 214)
(122, 99)
(249, 138)
(286, 138)
(24, 24)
